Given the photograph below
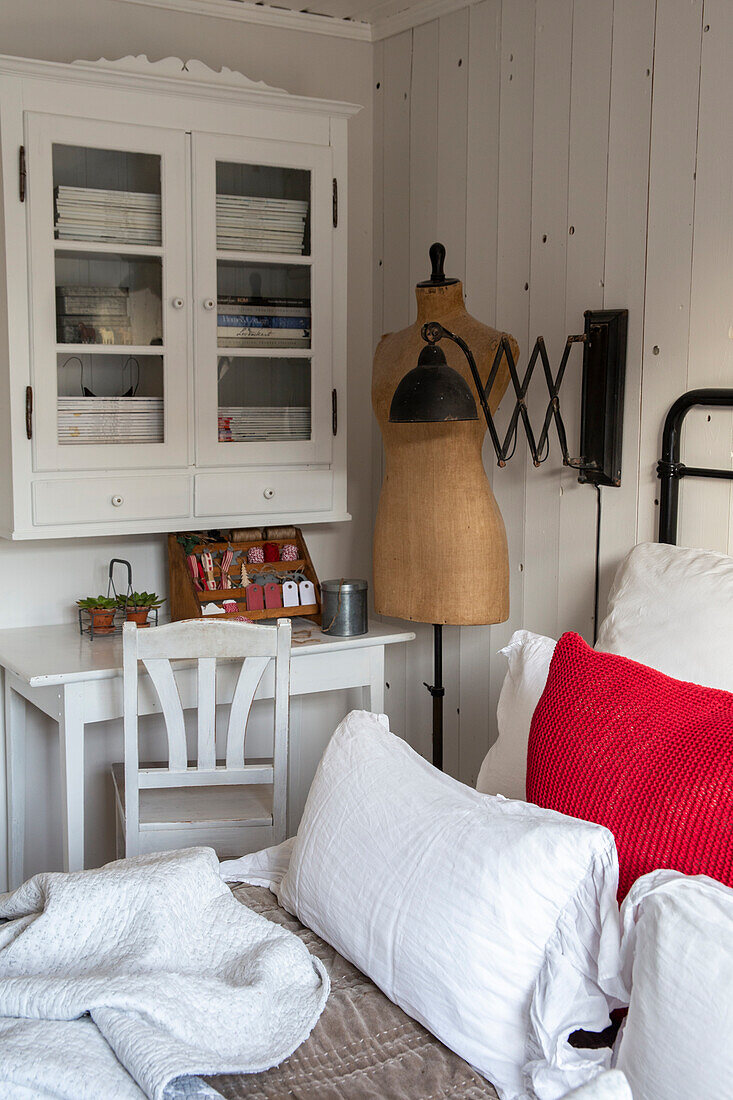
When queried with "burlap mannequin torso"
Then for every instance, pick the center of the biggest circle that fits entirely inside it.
(440, 552)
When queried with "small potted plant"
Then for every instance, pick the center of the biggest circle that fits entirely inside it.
(101, 612)
(138, 605)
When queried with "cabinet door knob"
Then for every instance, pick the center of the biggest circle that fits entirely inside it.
(117, 501)
(177, 303)
(209, 303)
(268, 494)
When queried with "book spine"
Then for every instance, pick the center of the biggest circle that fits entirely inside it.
(261, 342)
(244, 320)
(247, 300)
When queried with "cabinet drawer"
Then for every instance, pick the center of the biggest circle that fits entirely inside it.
(263, 493)
(111, 499)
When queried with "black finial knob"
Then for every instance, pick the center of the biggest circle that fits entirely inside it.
(437, 274)
(437, 259)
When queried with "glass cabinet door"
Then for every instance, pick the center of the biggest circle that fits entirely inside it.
(263, 301)
(109, 231)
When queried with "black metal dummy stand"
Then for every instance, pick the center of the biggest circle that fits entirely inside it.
(437, 691)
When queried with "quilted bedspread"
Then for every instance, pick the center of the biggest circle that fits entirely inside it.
(133, 979)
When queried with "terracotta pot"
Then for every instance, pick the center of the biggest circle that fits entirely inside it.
(102, 620)
(138, 615)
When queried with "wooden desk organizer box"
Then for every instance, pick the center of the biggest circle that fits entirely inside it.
(187, 602)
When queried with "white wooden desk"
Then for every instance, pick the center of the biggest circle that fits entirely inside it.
(77, 681)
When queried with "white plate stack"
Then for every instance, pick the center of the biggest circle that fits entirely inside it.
(260, 225)
(264, 423)
(110, 420)
(119, 217)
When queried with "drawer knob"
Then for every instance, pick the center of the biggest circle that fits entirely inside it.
(117, 500)
(177, 303)
(209, 303)
(268, 494)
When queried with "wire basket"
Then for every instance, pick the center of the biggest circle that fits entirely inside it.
(105, 625)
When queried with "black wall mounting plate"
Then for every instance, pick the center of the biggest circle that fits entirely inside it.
(602, 401)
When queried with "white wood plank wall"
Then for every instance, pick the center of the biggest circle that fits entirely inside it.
(571, 155)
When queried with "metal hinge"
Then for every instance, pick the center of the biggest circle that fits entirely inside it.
(335, 203)
(29, 411)
(334, 412)
(22, 173)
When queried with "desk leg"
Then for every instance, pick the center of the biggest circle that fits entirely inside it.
(15, 766)
(373, 692)
(71, 739)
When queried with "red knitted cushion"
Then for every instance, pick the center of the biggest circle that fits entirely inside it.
(649, 757)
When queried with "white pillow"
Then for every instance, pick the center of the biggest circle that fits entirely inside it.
(606, 1086)
(504, 770)
(678, 959)
(492, 922)
(672, 608)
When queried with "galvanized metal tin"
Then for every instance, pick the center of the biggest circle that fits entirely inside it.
(344, 607)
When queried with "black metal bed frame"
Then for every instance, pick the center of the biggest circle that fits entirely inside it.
(670, 470)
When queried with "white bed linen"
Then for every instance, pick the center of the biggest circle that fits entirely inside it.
(492, 922)
(178, 977)
(677, 951)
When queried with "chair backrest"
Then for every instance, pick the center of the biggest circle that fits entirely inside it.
(206, 641)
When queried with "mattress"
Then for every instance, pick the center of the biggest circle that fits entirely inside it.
(363, 1046)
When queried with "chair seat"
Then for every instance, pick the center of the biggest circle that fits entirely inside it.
(208, 807)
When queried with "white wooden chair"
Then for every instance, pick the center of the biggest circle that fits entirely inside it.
(231, 805)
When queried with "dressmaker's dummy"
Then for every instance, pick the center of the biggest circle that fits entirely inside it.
(440, 551)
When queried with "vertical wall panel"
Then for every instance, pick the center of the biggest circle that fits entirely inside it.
(451, 155)
(705, 506)
(512, 277)
(587, 189)
(477, 705)
(551, 138)
(624, 278)
(396, 266)
(423, 231)
(452, 160)
(669, 241)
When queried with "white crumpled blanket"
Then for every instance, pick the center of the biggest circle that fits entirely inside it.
(178, 979)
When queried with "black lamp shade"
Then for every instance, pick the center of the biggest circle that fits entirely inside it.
(432, 392)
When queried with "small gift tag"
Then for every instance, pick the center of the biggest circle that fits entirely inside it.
(307, 592)
(291, 596)
(255, 598)
(273, 595)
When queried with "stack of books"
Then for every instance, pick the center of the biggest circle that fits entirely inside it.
(260, 225)
(93, 315)
(264, 423)
(119, 217)
(110, 420)
(255, 322)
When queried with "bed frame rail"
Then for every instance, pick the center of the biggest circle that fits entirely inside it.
(670, 469)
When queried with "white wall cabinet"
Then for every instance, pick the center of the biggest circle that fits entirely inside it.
(172, 300)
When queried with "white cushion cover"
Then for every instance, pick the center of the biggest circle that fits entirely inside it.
(504, 770)
(678, 960)
(492, 922)
(671, 608)
(611, 1085)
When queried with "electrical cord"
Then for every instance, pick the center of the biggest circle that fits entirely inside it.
(596, 592)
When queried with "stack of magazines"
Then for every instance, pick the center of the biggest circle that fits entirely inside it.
(119, 217)
(93, 315)
(260, 225)
(255, 322)
(110, 420)
(264, 424)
